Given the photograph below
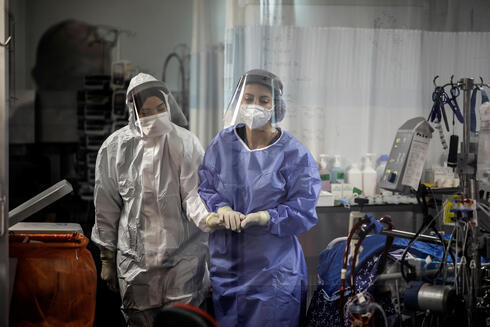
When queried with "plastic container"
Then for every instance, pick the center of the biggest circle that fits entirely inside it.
(354, 176)
(326, 199)
(368, 177)
(56, 280)
(324, 173)
(383, 159)
(337, 173)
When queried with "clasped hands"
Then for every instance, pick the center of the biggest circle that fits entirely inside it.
(227, 218)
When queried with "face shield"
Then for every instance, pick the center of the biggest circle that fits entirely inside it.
(257, 102)
(152, 99)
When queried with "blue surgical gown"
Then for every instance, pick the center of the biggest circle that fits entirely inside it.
(259, 275)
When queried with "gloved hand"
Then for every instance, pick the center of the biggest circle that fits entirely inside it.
(108, 272)
(213, 221)
(230, 218)
(259, 218)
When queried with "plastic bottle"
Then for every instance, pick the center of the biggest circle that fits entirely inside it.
(368, 177)
(324, 173)
(383, 159)
(354, 176)
(337, 173)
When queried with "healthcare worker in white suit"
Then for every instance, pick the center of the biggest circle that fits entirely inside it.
(150, 222)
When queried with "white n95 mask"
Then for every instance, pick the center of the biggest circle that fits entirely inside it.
(254, 116)
(155, 125)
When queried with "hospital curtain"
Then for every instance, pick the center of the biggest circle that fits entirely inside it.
(206, 82)
(349, 86)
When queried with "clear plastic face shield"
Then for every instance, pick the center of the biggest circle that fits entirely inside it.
(153, 100)
(147, 104)
(255, 103)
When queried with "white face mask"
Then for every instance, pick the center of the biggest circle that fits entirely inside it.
(155, 125)
(254, 116)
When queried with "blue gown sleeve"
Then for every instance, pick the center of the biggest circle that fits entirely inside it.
(298, 213)
(207, 187)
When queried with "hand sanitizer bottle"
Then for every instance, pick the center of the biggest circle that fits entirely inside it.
(337, 174)
(368, 177)
(354, 176)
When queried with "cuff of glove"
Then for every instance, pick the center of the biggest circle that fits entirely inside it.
(224, 209)
(209, 217)
(106, 255)
(213, 222)
(265, 218)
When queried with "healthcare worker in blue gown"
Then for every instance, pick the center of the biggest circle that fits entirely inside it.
(264, 185)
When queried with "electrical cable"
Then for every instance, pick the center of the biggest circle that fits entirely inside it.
(404, 254)
(464, 272)
(382, 311)
(423, 321)
(421, 230)
(388, 244)
(444, 259)
(456, 269)
(446, 250)
(426, 224)
(484, 209)
(466, 228)
(434, 198)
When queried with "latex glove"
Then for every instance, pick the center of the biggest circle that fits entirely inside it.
(108, 272)
(259, 218)
(213, 221)
(230, 218)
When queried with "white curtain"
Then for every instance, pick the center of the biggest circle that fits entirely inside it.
(348, 89)
(207, 62)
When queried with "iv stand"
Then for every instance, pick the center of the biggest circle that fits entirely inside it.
(467, 172)
(466, 169)
(467, 159)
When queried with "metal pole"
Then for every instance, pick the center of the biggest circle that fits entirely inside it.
(409, 235)
(467, 86)
(467, 177)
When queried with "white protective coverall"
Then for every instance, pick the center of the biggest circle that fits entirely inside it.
(148, 211)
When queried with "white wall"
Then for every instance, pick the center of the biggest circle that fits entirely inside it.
(159, 25)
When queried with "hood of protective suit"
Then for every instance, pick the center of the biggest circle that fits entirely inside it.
(146, 81)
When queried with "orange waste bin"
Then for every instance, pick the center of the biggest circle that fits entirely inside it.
(56, 280)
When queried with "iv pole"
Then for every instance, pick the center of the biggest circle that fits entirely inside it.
(467, 170)
(466, 165)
